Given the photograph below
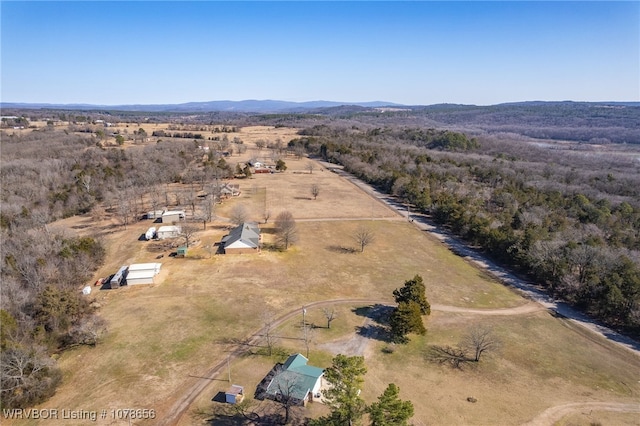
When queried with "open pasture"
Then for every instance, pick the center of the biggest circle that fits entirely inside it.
(164, 337)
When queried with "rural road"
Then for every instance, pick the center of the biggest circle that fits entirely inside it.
(529, 290)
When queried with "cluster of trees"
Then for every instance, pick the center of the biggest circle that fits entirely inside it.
(184, 135)
(346, 377)
(42, 271)
(43, 311)
(568, 220)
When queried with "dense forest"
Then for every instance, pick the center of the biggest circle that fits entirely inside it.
(567, 219)
(564, 213)
(50, 174)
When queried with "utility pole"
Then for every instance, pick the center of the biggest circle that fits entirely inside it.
(304, 326)
(229, 367)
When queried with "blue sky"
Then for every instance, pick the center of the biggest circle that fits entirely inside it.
(421, 52)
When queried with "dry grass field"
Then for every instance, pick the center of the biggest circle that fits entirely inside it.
(164, 337)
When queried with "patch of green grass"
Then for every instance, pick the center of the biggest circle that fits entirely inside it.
(182, 351)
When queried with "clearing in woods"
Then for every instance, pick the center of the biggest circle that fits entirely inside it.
(163, 338)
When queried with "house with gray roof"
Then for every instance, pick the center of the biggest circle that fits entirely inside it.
(296, 380)
(245, 238)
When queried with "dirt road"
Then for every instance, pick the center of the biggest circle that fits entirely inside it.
(551, 415)
(178, 409)
(528, 289)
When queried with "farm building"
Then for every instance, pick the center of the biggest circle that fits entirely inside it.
(229, 190)
(299, 380)
(155, 214)
(244, 238)
(142, 273)
(171, 216)
(119, 278)
(169, 231)
(256, 164)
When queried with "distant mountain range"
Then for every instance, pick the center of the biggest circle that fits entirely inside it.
(275, 106)
(255, 106)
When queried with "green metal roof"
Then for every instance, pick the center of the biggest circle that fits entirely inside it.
(297, 378)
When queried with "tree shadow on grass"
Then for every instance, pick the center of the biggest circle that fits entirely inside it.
(376, 327)
(342, 249)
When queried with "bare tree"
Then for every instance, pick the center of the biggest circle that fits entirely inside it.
(479, 340)
(315, 190)
(208, 207)
(27, 377)
(125, 207)
(363, 236)
(191, 197)
(286, 385)
(310, 167)
(187, 231)
(87, 332)
(155, 196)
(266, 215)
(330, 314)
(285, 227)
(270, 339)
(239, 214)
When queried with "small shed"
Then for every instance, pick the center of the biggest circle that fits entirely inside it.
(169, 231)
(235, 394)
(181, 251)
(170, 216)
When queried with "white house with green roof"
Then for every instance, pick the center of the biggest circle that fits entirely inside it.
(296, 380)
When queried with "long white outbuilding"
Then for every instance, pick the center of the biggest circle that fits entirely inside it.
(142, 273)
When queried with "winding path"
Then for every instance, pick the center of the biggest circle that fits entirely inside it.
(527, 289)
(178, 409)
(540, 301)
(551, 415)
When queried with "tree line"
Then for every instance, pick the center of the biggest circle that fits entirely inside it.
(51, 174)
(569, 221)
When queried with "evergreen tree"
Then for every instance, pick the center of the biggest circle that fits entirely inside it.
(406, 319)
(390, 410)
(346, 376)
(414, 290)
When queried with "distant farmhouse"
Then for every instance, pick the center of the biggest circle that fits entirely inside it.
(298, 380)
(228, 190)
(244, 238)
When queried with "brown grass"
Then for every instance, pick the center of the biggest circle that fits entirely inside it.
(163, 336)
